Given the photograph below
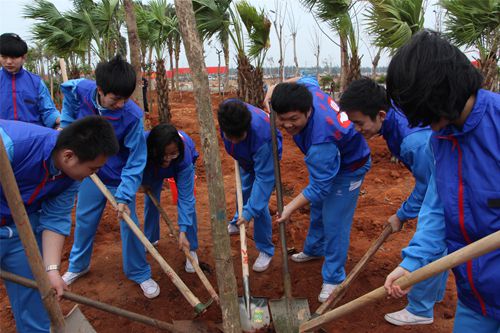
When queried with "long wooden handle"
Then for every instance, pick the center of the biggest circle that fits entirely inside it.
(469, 252)
(23, 225)
(341, 289)
(93, 303)
(243, 241)
(195, 264)
(190, 297)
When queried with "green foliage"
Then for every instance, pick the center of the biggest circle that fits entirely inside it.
(258, 27)
(472, 22)
(393, 22)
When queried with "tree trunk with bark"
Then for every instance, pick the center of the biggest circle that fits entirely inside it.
(222, 248)
(344, 63)
(162, 92)
(375, 64)
(135, 50)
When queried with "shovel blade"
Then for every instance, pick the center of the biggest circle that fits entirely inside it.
(289, 313)
(76, 322)
(259, 314)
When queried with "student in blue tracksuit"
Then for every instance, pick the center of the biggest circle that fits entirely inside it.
(246, 133)
(434, 84)
(365, 102)
(171, 154)
(337, 158)
(109, 97)
(48, 166)
(23, 95)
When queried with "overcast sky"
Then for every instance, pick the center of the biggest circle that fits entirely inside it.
(11, 20)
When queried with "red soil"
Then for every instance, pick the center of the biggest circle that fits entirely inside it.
(385, 187)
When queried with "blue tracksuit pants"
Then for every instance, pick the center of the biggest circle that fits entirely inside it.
(152, 219)
(26, 303)
(89, 209)
(262, 224)
(424, 295)
(330, 225)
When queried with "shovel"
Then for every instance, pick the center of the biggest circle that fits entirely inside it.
(199, 307)
(288, 313)
(480, 247)
(16, 205)
(254, 312)
(195, 264)
(75, 319)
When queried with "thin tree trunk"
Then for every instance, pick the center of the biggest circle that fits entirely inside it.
(344, 63)
(170, 47)
(177, 52)
(135, 50)
(217, 199)
(295, 60)
(375, 64)
(225, 47)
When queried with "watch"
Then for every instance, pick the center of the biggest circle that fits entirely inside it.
(52, 268)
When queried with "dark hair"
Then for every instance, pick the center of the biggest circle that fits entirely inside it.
(234, 117)
(89, 138)
(116, 76)
(366, 96)
(428, 78)
(291, 97)
(11, 45)
(161, 136)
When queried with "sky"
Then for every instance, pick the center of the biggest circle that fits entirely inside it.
(11, 20)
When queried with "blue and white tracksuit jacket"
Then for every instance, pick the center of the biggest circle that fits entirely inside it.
(183, 174)
(48, 196)
(122, 175)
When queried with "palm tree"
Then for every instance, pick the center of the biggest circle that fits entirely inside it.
(258, 27)
(154, 21)
(336, 13)
(393, 22)
(476, 23)
(213, 19)
(56, 31)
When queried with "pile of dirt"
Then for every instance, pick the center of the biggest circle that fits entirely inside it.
(385, 187)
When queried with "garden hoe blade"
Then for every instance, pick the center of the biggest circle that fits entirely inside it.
(76, 322)
(288, 313)
(254, 312)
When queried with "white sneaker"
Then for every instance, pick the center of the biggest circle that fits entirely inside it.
(262, 262)
(150, 288)
(70, 277)
(233, 229)
(405, 317)
(189, 267)
(302, 257)
(326, 290)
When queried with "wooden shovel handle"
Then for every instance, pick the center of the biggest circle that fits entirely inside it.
(469, 252)
(190, 297)
(341, 289)
(195, 264)
(93, 303)
(23, 225)
(243, 234)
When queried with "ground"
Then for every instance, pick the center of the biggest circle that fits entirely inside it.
(385, 187)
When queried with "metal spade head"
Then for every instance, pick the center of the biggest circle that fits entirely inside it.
(76, 322)
(258, 317)
(289, 313)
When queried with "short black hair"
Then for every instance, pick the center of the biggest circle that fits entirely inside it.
(116, 76)
(161, 136)
(291, 96)
(11, 45)
(429, 78)
(366, 96)
(234, 117)
(89, 138)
